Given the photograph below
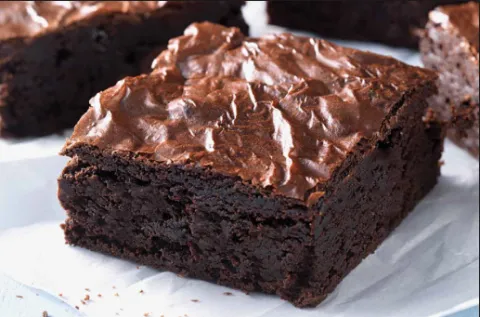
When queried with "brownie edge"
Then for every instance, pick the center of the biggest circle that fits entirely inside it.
(449, 46)
(392, 22)
(50, 69)
(226, 165)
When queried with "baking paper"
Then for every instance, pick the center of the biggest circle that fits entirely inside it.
(428, 267)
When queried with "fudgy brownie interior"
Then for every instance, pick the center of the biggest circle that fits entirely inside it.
(449, 45)
(54, 56)
(229, 164)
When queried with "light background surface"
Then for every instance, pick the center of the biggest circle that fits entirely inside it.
(34, 162)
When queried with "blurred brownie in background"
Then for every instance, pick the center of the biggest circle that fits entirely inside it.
(390, 22)
(450, 46)
(55, 55)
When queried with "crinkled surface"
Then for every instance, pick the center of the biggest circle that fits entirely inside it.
(279, 111)
(28, 18)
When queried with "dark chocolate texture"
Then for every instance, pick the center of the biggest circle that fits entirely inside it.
(393, 22)
(273, 164)
(450, 46)
(55, 55)
(279, 111)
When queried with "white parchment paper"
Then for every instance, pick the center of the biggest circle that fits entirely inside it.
(429, 266)
(426, 267)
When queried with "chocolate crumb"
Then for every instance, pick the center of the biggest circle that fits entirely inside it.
(87, 289)
(99, 295)
(83, 302)
(19, 296)
(441, 163)
(77, 307)
(87, 297)
(141, 291)
(138, 267)
(45, 313)
(195, 300)
(227, 294)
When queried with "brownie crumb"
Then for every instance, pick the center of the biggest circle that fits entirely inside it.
(83, 302)
(77, 307)
(87, 289)
(45, 313)
(141, 291)
(195, 300)
(113, 287)
(87, 297)
(19, 296)
(228, 294)
(138, 267)
(60, 294)
(99, 295)
(146, 314)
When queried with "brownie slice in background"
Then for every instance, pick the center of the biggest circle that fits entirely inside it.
(449, 45)
(271, 164)
(391, 22)
(55, 55)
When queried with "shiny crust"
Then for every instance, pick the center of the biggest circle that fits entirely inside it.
(30, 18)
(281, 112)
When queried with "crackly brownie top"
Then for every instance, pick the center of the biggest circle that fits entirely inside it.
(464, 18)
(28, 18)
(279, 111)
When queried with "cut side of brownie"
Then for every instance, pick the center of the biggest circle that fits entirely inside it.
(449, 45)
(55, 55)
(271, 164)
(392, 22)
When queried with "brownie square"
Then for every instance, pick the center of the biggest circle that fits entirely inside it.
(55, 55)
(271, 164)
(392, 22)
(449, 45)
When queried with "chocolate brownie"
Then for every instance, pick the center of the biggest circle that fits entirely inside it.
(449, 45)
(392, 22)
(271, 164)
(55, 55)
